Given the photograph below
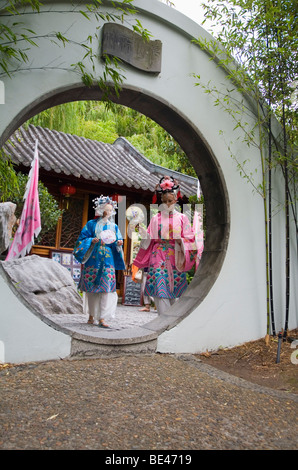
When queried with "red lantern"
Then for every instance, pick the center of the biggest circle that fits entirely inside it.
(67, 190)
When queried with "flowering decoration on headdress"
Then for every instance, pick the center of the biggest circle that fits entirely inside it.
(167, 184)
(101, 202)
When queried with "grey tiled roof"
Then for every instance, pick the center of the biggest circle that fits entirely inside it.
(118, 163)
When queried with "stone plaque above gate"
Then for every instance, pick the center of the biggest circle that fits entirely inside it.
(129, 46)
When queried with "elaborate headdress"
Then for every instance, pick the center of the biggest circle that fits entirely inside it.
(167, 184)
(101, 202)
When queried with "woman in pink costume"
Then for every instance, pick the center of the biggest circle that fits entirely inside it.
(168, 249)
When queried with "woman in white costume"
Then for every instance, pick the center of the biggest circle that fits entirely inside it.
(99, 250)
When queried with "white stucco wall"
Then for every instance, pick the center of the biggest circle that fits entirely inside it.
(234, 311)
(23, 336)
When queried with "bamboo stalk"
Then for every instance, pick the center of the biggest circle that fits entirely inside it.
(270, 234)
(266, 227)
(287, 229)
(270, 192)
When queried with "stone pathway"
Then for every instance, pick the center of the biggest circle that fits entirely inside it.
(126, 317)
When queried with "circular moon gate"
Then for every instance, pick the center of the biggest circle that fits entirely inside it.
(201, 158)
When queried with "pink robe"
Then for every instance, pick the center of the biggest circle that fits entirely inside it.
(168, 253)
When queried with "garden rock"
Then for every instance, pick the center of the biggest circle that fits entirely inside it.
(44, 284)
(7, 221)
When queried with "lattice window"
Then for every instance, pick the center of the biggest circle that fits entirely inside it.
(71, 223)
(47, 238)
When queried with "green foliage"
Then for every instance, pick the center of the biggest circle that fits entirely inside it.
(103, 123)
(94, 120)
(262, 36)
(8, 181)
(49, 207)
(190, 274)
(12, 188)
(16, 41)
(98, 130)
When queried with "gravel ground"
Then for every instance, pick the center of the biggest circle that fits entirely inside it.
(140, 402)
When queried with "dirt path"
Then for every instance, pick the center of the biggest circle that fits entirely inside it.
(256, 362)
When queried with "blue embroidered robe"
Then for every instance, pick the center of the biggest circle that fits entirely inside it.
(99, 262)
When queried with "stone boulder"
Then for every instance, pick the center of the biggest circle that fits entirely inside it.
(7, 221)
(45, 284)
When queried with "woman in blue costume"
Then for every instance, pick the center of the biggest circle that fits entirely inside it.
(99, 250)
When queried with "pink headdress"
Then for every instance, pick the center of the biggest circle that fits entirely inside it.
(167, 184)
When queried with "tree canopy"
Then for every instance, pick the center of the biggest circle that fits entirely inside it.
(94, 120)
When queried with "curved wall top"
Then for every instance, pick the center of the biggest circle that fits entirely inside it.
(225, 303)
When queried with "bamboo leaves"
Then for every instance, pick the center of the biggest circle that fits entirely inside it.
(13, 35)
(8, 182)
(261, 36)
(8, 49)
